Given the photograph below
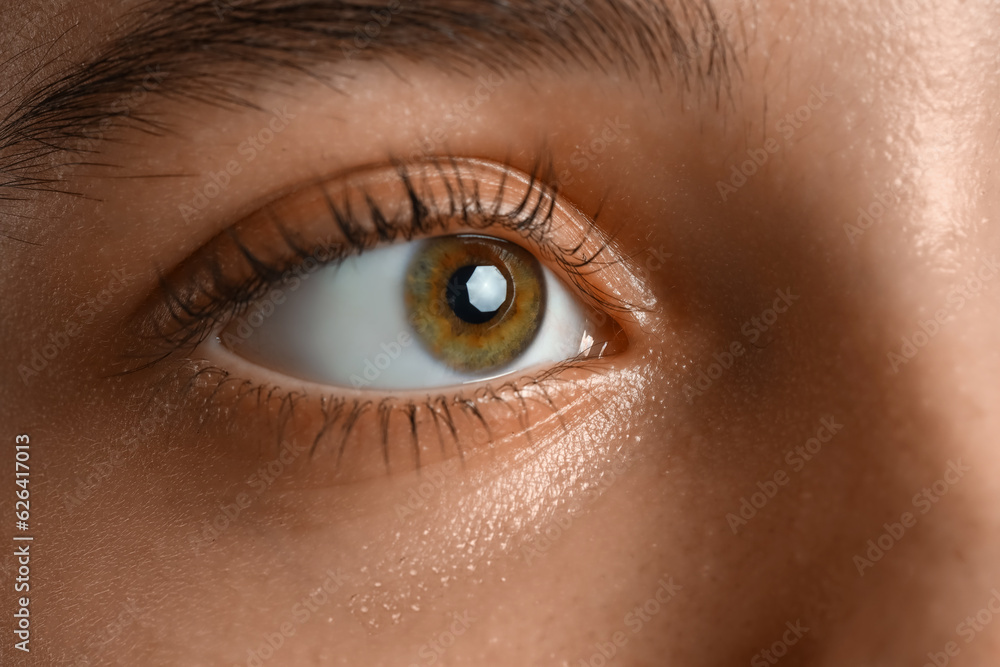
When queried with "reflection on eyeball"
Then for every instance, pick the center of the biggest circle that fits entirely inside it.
(438, 312)
(475, 302)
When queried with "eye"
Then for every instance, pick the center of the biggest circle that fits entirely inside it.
(422, 314)
(393, 316)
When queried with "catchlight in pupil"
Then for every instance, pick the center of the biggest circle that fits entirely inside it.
(476, 293)
(475, 302)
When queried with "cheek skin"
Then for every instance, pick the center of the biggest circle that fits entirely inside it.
(406, 552)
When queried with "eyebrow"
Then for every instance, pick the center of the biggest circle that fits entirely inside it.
(214, 52)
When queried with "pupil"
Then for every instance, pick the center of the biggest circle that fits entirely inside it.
(476, 293)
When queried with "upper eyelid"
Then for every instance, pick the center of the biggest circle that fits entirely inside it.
(539, 216)
(181, 318)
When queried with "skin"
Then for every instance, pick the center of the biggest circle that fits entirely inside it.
(911, 111)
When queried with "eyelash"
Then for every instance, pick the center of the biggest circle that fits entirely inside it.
(347, 412)
(187, 312)
(193, 316)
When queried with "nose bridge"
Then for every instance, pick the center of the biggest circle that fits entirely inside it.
(927, 559)
(896, 336)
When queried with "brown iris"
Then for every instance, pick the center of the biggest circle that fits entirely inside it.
(475, 302)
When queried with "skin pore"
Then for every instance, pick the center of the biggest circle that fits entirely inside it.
(806, 239)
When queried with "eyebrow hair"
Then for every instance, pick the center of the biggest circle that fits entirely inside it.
(213, 52)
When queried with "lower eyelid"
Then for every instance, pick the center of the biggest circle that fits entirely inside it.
(348, 437)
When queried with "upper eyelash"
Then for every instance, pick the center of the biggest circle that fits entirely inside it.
(188, 314)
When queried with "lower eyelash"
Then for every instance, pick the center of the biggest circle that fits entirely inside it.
(211, 390)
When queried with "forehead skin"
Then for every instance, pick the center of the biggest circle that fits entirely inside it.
(853, 166)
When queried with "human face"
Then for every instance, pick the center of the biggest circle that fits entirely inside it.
(781, 218)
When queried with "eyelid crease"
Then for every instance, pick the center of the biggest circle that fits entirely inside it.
(284, 242)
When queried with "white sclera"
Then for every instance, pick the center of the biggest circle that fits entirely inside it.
(346, 325)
